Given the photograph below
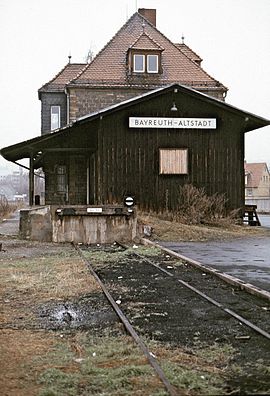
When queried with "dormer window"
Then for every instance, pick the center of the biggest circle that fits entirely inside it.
(146, 63)
(144, 56)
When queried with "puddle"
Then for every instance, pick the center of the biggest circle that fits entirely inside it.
(85, 313)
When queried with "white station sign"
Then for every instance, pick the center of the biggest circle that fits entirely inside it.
(176, 123)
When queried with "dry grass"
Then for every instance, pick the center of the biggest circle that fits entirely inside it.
(198, 217)
(48, 277)
(172, 230)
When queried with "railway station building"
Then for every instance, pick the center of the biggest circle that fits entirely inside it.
(140, 120)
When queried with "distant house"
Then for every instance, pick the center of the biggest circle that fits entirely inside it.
(257, 180)
(138, 59)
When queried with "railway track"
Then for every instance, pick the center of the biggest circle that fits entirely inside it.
(151, 359)
(161, 278)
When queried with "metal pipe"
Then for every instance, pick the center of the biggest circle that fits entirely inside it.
(31, 180)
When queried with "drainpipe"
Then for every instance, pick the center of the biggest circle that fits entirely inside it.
(31, 180)
(68, 105)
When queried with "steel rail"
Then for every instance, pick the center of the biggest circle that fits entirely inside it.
(151, 359)
(203, 295)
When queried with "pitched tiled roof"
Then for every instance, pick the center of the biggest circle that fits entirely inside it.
(58, 83)
(256, 171)
(109, 67)
(189, 53)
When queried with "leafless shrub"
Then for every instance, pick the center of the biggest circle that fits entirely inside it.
(196, 207)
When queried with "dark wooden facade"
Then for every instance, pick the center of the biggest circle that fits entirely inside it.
(104, 159)
(127, 160)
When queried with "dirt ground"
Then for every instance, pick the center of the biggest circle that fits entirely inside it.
(59, 336)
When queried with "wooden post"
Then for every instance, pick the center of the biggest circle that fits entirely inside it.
(31, 180)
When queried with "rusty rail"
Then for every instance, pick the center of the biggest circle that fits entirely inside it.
(153, 362)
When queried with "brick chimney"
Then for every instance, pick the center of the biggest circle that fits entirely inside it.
(149, 14)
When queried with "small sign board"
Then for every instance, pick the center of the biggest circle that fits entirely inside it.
(175, 123)
(94, 210)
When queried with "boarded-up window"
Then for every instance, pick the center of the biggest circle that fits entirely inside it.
(173, 161)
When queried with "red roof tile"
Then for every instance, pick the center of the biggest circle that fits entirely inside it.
(109, 67)
(58, 83)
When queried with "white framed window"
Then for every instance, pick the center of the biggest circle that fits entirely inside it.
(152, 63)
(173, 161)
(55, 117)
(139, 63)
(146, 63)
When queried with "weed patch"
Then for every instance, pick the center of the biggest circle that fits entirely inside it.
(101, 258)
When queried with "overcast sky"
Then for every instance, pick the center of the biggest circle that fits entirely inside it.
(36, 37)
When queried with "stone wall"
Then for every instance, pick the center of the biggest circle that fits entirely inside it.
(84, 101)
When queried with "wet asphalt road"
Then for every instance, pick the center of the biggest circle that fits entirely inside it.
(247, 259)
